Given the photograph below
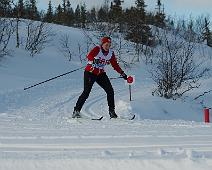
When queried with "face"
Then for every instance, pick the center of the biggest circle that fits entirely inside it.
(106, 46)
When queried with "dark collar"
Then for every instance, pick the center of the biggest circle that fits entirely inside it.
(104, 52)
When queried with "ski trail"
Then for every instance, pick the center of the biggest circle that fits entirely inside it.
(99, 102)
(38, 129)
(97, 105)
(95, 139)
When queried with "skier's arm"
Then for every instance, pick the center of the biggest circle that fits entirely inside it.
(115, 64)
(93, 53)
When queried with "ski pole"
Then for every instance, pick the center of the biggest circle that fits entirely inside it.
(130, 81)
(114, 78)
(130, 91)
(53, 78)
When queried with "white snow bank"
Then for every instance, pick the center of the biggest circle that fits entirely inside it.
(106, 164)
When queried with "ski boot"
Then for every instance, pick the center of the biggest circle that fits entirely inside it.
(76, 114)
(113, 114)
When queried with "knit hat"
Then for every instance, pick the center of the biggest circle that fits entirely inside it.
(106, 40)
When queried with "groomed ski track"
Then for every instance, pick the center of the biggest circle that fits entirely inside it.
(39, 135)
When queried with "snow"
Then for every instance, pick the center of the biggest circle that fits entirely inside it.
(35, 133)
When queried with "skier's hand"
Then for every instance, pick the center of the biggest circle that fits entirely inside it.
(124, 76)
(96, 61)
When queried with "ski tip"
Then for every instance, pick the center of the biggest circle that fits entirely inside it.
(133, 117)
(98, 118)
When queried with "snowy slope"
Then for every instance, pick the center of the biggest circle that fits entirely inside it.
(35, 133)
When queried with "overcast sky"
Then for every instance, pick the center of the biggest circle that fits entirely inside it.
(172, 7)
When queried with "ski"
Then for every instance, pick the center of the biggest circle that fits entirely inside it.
(97, 118)
(131, 118)
(100, 118)
(87, 118)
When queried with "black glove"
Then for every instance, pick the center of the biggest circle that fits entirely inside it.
(124, 76)
(96, 61)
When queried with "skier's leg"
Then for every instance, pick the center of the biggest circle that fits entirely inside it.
(104, 82)
(89, 80)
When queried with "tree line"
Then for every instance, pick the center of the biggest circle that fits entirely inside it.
(134, 21)
(64, 14)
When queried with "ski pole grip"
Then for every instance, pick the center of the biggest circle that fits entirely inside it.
(130, 80)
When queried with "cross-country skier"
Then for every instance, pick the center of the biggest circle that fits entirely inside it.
(98, 58)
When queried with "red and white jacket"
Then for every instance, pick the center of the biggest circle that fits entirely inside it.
(104, 57)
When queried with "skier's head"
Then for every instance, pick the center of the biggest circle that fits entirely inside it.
(106, 43)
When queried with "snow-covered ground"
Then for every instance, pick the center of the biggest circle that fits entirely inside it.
(35, 132)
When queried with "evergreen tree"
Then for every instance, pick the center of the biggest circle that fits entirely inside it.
(64, 6)
(106, 6)
(64, 13)
(91, 16)
(138, 31)
(191, 25)
(77, 15)
(116, 12)
(21, 9)
(150, 18)
(5, 8)
(207, 34)
(70, 14)
(106, 9)
(159, 5)
(49, 14)
(102, 15)
(140, 5)
(27, 8)
(83, 15)
(58, 14)
(160, 15)
(140, 8)
(183, 25)
(31, 10)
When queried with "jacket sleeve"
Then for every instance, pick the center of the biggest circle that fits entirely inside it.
(93, 53)
(115, 64)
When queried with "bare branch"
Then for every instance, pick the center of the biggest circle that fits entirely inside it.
(6, 31)
(202, 94)
(65, 46)
(174, 69)
(38, 35)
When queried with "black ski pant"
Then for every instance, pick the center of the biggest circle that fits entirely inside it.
(103, 81)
